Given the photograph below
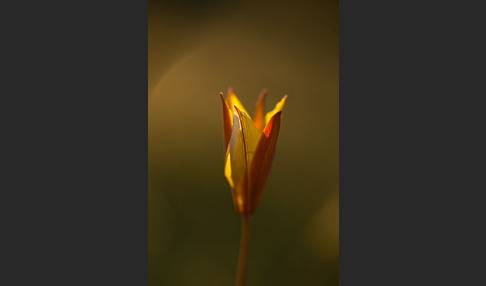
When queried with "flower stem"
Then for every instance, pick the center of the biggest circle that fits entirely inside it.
(243, 256)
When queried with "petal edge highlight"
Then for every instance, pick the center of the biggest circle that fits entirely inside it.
(227, 124)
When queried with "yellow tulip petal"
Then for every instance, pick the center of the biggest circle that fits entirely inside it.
(241, 149)
(278, 107)
(236, 153)
(259, 117)
(251, 135)
(236, 165)
(233, 100)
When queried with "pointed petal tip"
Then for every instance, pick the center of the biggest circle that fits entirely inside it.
(276, 118)
(223, 99)
(259, 115)
(262, 96)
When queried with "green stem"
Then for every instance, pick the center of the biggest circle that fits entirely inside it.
(243, 257)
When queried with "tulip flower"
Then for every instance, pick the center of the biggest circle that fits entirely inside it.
(250, 148)
(249, 152)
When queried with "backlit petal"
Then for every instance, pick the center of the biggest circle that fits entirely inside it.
(227, 170)
(251, 135)
(259, 117)
(278, 107)
(227, 122)
(241, 149)
(236, 154)
(263, 159)
(233, 100)
(235, 168)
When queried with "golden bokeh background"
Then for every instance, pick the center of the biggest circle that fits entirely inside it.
(196, 50)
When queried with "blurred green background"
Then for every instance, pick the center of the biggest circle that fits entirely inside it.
(197, 49)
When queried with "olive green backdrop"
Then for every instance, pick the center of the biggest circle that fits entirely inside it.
(196, 50)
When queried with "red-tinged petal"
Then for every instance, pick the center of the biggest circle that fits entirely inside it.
(227, 122)
(259, 117)
(263, 159)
